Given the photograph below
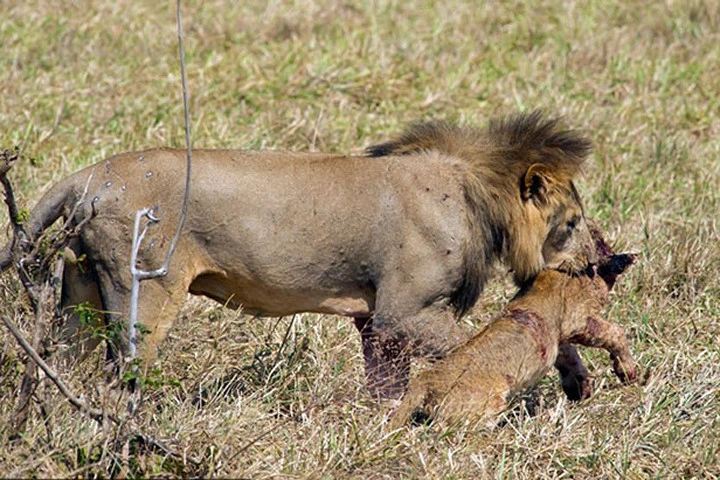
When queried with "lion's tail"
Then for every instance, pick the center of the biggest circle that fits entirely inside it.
(50, 207)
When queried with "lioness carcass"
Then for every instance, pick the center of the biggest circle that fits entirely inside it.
(477, 380)
(401, 239)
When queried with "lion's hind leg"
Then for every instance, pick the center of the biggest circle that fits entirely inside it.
(80, 330)
(159, 303)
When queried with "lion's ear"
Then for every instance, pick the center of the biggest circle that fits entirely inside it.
(536, 183)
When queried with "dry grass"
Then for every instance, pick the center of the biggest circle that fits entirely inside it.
(80, 81)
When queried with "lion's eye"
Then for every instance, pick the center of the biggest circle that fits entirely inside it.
(571, 225)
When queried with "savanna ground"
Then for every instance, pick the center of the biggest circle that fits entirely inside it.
(284, 398)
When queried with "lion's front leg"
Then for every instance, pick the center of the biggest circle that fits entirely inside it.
(574, 377)
(600, 333)
(413, 316)
(390, 341)
(387, 364)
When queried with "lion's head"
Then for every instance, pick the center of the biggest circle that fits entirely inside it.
(518, 182)
(529, 169)
(556, 233)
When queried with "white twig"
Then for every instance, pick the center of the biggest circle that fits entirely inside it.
(137, 277)
(140, 275)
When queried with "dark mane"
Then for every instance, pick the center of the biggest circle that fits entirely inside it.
(532, 133)
(513, 142)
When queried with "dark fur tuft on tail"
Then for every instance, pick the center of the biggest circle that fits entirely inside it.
(420, 417)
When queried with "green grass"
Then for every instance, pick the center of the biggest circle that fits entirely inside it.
(82, 81)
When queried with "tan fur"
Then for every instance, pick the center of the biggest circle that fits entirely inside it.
(476, 381)
(401, 243)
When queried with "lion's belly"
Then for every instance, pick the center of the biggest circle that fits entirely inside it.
(275, 302)
(350, 306)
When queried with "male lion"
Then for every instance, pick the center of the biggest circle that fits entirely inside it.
(476, 380)
(401, 243)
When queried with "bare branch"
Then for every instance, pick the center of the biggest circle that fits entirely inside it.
(8, 160)
(50, 373)
(45, 302)
(94, 413)
(186, 107)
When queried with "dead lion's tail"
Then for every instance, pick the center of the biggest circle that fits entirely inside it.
(50, 207)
